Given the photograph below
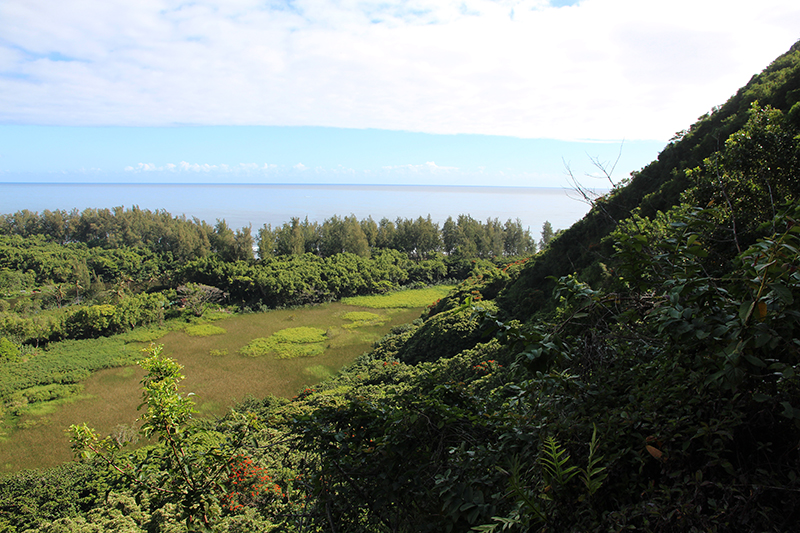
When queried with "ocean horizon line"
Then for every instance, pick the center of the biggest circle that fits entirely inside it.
(282, 184)
(256, 204)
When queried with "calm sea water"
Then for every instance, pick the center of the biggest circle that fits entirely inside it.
(258, 204)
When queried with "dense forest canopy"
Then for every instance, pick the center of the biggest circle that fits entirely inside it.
(180, 239)
(62, 270)
(642, 372)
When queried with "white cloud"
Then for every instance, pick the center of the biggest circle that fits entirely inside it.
(427, 167)
(602, 69)
(205, 168)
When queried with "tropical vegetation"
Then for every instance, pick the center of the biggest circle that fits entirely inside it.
(642, 372)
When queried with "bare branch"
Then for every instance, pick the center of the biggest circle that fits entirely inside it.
(588, 195)
(602, 167)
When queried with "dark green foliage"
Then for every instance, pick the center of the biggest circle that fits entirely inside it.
(443, 335)
(34, 497)
(90, 321)
(547, 234)
(390, 344)
(299, 279)
(754, 173)
(387, 454)
(157, 231)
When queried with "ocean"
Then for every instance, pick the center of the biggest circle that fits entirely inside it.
(258, 204)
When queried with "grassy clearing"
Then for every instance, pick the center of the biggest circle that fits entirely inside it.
(360, 319)
(216, 372)
(402, 299)
(288, 343)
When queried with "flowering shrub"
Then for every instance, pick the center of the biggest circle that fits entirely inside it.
(249, 483)
(487, 367)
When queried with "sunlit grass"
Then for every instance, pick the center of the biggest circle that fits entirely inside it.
(288, 343)
(208, 407)
(363, 318)
(40, 409)
(401, 299)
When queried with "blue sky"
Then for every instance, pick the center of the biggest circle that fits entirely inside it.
(302, 154)
(472, 92)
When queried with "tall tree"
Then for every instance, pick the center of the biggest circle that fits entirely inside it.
(266, 242)
(547, 234)
(223, 240)
(243, 244)
(387, 231)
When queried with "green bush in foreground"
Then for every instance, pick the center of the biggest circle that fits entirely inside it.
(194, 470)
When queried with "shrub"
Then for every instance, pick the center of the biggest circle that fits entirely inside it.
(8, 350)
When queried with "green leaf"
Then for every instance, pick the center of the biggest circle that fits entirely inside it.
(697, 251)
(755, 361)
(789, 411)
(744, 309)
(762, 338)
(782, 292)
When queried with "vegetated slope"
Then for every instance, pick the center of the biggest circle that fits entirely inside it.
(658, 186)
(657, 388)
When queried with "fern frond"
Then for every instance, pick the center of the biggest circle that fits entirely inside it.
(593, 476)
(555, 463)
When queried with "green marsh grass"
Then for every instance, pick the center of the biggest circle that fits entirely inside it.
(288, 343)
(215, 371)
(360, 319)
(401, 299)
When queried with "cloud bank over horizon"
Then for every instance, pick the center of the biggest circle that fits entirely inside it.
(593, 69)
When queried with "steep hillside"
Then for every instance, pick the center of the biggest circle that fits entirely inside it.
(658, 186)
